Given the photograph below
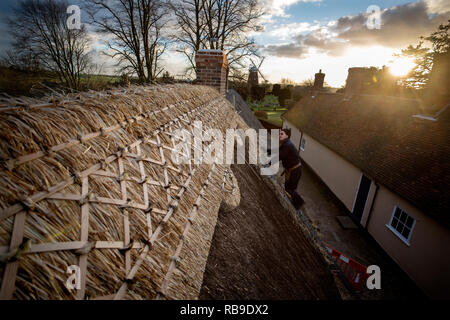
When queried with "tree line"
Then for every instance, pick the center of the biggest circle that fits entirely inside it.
(136, 34)
(424, 54)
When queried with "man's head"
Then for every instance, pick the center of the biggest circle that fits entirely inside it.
(285, 134)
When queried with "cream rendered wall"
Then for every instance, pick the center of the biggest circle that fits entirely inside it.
(427, 257)
(338, 174)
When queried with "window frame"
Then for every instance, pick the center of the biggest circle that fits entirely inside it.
(396, 232)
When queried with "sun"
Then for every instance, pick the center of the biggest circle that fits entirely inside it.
(401, 66)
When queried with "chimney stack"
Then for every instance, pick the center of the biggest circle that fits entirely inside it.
(212, 69)
(319, 80)
(356, 80)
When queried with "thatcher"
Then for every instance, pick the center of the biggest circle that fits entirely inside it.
(87, 181)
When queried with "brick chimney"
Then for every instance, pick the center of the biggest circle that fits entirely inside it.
(212, 69)
(319, 80)
(357, 79)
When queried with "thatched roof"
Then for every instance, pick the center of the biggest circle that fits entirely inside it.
(88, 180)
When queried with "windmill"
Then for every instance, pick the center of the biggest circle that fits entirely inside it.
(253, 74)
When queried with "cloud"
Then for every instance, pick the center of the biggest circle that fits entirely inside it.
(290, 50)
(326, 44)
(313, 42)
(400, 26)
(438, 6)
(286, 31)
(278, 7)
(318, 40)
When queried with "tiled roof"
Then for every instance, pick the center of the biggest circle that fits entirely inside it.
(378, 134)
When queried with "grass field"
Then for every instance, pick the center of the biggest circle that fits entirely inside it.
(27, 83)
(273, 114)
(275, 117)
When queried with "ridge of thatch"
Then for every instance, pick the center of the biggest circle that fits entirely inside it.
(87, 180)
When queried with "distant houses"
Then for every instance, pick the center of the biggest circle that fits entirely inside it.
(388, 162)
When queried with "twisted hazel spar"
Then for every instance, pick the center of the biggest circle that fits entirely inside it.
(87, 180)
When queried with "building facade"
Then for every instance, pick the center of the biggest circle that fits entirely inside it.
(390, 171)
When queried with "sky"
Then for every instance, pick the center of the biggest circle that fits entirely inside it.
(302, 36)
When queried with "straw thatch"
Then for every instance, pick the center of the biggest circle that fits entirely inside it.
(88, 180)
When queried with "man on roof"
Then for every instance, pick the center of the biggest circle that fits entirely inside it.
(292, 165)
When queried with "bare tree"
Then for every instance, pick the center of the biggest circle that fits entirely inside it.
(42, 36)
(23, 60)
(190, 28)
(134, 29)
(217, 24)
(308, 83)
(287, 81)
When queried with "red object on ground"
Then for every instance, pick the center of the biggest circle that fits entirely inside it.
(355, 272)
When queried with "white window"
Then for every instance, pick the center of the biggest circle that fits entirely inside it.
(302, 144)
(402, 224)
